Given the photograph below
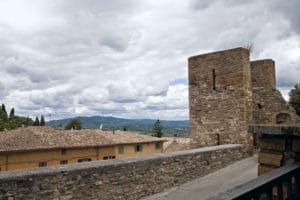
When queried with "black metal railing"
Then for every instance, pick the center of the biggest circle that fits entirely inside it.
(280, 184)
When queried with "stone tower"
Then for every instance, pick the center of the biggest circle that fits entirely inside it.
(269, 107)
(227, 92)
(220, 97)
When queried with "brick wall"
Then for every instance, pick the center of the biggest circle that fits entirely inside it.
(128, 178)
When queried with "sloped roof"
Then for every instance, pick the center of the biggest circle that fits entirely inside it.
(33, 138)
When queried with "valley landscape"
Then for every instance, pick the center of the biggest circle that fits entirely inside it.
(145, 126)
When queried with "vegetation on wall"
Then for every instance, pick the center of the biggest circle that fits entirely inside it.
(295, 98)
(12, 121)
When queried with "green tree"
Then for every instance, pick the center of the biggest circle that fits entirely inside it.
(157, 129)
(36, 122)
(124, 128)
(12, 114)
(74, 124)
(295, 98)
(42, 121)
(3, 107)
(3, 113)
(13, 121)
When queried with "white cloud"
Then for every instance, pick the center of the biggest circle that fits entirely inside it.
(125, 58)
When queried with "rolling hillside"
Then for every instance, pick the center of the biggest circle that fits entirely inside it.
(141, 125)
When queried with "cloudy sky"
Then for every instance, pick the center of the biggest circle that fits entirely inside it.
(129, 58)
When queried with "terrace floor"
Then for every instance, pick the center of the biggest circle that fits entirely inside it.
(212, 184)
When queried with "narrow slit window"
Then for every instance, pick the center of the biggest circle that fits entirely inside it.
(214, 79)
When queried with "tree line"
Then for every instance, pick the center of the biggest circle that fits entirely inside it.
(12, 121)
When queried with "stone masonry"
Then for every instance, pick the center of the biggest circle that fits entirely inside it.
(128, 178)
(269, 107)
(220, 96)
(279, 145)
(227, 92)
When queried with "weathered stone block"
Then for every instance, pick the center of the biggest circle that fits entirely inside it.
(272, 144)
(262, 169)
(270, 159)
(296, 145)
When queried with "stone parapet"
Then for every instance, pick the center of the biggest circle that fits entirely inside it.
(128, 178)
(278, 145)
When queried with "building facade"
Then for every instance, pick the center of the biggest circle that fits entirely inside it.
(42, 146)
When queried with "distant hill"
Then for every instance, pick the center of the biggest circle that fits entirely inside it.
(141, 125)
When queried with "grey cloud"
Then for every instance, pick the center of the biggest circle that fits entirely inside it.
(14, 69)
(290, 9)
(96, 6)
(2, 90)
(115, 43)
(204, 4)
(199, 5)
(118, 57)
(288, 75)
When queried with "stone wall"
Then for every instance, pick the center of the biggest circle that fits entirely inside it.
(279, 145)
(176, 144)
(263, 74)
(128, 178)
(220, 97)
(269, 107)
(227, 92)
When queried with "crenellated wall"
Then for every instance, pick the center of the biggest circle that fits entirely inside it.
(128, 178)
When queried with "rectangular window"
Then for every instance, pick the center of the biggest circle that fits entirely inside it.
(63, 151)
(120, 149)
(214, 79)
(84, 160)
(63, 162)
(42, 164)
(138, 148)
(157, 145)
(109, 157)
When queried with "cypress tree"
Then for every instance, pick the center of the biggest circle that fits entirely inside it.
(42, 121)
(12, 114)
(36, 122)
(3, 113)
(157, 129)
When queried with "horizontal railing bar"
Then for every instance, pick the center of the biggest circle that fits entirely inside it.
(261, 184)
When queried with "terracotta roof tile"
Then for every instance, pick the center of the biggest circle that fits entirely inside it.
(32, 138)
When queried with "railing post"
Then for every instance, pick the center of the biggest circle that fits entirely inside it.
(297, 180)
(289, 187)
(269, 193)
(279, 191)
